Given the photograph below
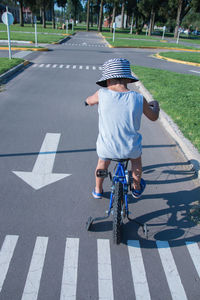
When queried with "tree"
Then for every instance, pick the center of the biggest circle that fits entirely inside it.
(100, 16)
(182, 7)
(88, 16)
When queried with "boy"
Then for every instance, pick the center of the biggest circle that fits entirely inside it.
(120, 111)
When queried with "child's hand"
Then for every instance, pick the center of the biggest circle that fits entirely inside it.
(154, 105)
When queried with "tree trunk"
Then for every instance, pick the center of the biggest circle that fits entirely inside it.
(178, 18)
(88, 15)
(44, 15)
(53, 15)
(91, 10)
(113, 16)
(21, 14)
(100, 17)
(122, 15)
(152, 19)
(131, 30)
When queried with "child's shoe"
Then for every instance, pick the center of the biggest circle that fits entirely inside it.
(97, 195)
(137, 193)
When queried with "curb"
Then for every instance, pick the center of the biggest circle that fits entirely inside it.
(157, 55)
(24, 49)
(68, 36)
(187, 148)
(14, 70)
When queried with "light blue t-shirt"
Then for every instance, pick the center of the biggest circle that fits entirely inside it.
(119, 121)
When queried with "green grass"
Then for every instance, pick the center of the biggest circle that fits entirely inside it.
(30, 28)
(178, 95)
(6, 63)
(144, 44)
(191, 57)
(127, 35)
(42, 38)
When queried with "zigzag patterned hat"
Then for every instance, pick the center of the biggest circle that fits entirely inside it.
(116, 68)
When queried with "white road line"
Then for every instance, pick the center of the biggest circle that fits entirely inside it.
(61, 66)
(6, 254)
(41, 65)
(70, 270)
(48, 65)
(171, 272)
(55, 65)
(194, 251)
(67, 66)
(195, 71)
(74, 67)
(105, 282)
(87, 67)
(138, 271)
(35, 271)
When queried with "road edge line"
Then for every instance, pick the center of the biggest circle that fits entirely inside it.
(157, 55)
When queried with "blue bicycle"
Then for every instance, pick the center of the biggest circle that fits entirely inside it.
(118, 207)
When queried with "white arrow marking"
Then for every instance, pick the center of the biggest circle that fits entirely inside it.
(41, 174)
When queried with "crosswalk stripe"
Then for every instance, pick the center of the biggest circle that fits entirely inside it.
(195, 254)
(55, 65)
(171, 272)
(138, 271)
(41, 65)
(80, 67)
(35, 65)
(35, 271)
(6, 254)
(48, 65)
(74, 67)
(87, 67)
(67, 66)
(70, 270)
(61, 66)
(105, 282)
(94, 68)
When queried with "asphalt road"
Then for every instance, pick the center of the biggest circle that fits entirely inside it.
(46, 253)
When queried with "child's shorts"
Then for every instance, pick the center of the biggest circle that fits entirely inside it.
(104, 159)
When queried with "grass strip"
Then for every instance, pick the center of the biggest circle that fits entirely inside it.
(42, 38)
(184, 56)
(30, 28)
(146, 44)
(6, 63)
(130, 36)
(178, 95)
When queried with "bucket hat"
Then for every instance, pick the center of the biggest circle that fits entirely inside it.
(116, 68)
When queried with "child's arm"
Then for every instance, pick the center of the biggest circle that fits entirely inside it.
(151, 109)
(94, 99)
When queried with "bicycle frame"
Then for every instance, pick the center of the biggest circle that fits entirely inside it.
(119, 176)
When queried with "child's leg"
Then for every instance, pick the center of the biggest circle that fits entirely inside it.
(136, 167)
(103, 165)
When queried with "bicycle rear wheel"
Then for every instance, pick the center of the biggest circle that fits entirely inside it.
(117, 217)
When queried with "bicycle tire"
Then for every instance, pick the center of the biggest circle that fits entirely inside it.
(117, 217)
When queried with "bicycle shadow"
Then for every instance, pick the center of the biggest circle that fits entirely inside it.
(171, 222)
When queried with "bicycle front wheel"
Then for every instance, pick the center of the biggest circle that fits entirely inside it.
(117, 217)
